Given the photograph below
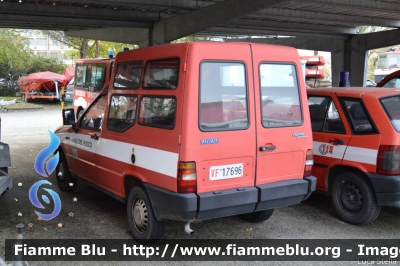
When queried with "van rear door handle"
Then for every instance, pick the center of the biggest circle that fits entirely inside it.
(94, 136)
(267, 148)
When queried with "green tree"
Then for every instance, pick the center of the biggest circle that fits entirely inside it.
(86, 48)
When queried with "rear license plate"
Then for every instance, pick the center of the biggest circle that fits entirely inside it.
(226, 171)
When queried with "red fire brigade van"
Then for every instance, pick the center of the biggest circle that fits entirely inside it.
(356, 149)
(195, 131)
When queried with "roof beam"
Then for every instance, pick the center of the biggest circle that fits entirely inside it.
(287, 26)
(183, 25)
(225, 31)
(175, 4)
(325, 18)
(299, 43)
(75, 12)
(372, 5)
(76, 23)
(378, 39)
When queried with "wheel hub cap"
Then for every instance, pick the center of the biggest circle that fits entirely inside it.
(140, 219)
(352, 197)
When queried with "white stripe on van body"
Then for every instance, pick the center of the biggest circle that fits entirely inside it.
(155, 160)
(355, 154)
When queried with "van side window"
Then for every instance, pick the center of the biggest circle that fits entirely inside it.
(93, 117)
(161, 74)
(223, 96)
(280, 98)
(157, 112)
(360, 120)
(122, 113)
(324, 115)
(128, 75)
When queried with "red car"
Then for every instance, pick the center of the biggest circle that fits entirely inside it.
(356, 134)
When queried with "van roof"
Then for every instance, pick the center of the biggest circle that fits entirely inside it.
(158, 51)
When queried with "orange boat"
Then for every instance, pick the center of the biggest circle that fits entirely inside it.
(69, 73)
(42, 85)
(315, 72)
(313, 60)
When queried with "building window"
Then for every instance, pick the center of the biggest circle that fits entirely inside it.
(41, 42)
(55, 43)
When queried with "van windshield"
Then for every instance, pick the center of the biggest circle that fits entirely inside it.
(90, 76)
(391, 105)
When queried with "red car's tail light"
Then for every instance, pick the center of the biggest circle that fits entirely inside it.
(388, 160)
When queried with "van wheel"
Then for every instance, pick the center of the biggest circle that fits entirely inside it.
(142, 221)
(64, 177)
(354, 199)
(256, 217)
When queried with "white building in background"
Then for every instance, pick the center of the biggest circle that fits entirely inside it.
(45, 46)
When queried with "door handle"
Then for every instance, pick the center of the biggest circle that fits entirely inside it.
(337, 141)
(267, 148)
(94, 136)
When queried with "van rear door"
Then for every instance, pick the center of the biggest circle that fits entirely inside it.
(224, 139)
(283, 133)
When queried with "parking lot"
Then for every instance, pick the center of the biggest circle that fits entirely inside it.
(97, 216)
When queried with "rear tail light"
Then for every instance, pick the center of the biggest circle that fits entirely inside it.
(309, 163)
(187, 180)
(388, 160)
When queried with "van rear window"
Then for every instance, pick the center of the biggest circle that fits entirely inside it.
(161, 74)
(223, 96)
(391, 105)
(128, 75)
(280, 97)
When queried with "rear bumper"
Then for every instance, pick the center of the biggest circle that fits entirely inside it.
(174, 206)
(387, 189)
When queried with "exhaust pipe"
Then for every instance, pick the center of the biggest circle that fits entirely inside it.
(187, 228)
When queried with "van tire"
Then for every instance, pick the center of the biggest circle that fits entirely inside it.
(142, 221)
(354, 200)
(63, 176)
(256, 217)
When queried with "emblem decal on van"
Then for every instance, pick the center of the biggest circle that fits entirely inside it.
(324, 149)
(209, 141)
(299, 135)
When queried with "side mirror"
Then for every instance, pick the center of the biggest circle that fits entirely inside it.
(69, 118)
